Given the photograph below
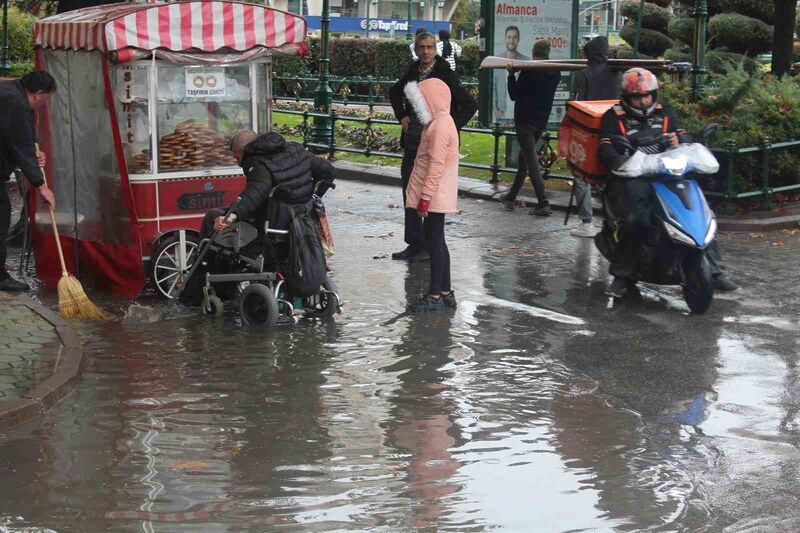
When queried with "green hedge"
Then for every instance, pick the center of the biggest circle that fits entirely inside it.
(20, 36)
(393, 58)
(714, 6)
(719, 61)
(740, 33)
(654, 17)
(662, 3)
(352, 57)
(682, 29)
(763, 10)
(651, 43)
(679, 55)
(748, 108)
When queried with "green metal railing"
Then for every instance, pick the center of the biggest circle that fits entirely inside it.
(369, 91)
(547, 153)
(728, 157)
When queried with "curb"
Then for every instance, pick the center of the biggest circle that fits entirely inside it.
(54, 388)
(559, 200)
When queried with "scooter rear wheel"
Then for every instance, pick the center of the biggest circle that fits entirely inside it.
(698, 283)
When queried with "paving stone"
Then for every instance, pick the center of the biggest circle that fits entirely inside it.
(10, 358)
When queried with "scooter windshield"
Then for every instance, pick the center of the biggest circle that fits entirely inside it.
(678, 161)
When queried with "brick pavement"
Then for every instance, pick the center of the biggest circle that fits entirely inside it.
(40, 359)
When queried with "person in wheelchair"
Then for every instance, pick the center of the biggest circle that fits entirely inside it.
(281, 176)
(649, 127)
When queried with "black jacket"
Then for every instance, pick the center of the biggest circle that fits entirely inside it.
(643, 134)
(533, 94)
(598, 81)
(17, 134)
(272, 163)
(462, 105)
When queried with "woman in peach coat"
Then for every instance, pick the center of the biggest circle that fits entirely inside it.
(433, 185)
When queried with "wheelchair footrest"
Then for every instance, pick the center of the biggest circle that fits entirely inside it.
(236, 278)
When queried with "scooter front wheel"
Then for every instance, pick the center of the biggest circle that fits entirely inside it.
(698, 283)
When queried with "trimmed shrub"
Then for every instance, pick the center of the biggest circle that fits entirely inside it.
(740, 33)
(662, 3)
(467, 65)
(20, 36)
(714, 6)
(678, 55)
(719, 61)
(392, 58)
(352, 57)
(682, 29)
(654, 17)
(651, 42)
(763, 10)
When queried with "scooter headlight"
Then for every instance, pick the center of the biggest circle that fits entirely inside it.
(677, 165)
(677, 235)
(712, 231)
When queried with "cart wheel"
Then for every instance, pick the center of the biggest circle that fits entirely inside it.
(258, 306)
(170, 262)
(216, 307)
(329, 304)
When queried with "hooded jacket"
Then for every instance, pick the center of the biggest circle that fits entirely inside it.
(272, 163)
(435, 173)
(462, 105)
(598, 81)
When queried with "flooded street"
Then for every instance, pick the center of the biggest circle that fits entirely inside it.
(538, 405)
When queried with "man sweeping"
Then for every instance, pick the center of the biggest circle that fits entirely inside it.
(18, 100)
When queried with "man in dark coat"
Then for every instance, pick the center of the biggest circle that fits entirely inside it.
(462, 108)
(597, 82)
(270, 162)
(533, 95)
(18, 100)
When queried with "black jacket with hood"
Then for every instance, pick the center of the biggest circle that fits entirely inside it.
(598, 81)
(462, 105)
(272, 163)
(17, 134)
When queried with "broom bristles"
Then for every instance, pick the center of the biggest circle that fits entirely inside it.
(73, 302)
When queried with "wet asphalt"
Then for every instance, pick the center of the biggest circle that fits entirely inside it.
(540, 404)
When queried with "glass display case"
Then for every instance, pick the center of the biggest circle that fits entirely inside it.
(179, 119)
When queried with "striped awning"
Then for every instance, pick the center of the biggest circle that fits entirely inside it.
(200, 26)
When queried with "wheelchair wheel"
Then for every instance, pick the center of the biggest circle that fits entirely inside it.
(166, 267)
(258, 306)
(328, 303)
(216, 307)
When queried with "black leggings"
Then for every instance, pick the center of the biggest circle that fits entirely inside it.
(440, 255)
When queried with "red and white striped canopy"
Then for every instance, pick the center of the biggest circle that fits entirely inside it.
(206, 26)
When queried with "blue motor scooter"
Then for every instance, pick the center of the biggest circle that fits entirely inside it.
(683, 225)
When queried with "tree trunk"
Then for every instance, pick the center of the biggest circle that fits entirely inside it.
(783, 43)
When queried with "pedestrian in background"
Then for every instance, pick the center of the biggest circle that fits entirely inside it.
(433, 185)
(447, 49)
(462, 108)
(18, 100)
(596, 82)
(533, 94)
(413, 45)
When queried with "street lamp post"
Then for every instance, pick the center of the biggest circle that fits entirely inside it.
(699, 60)
(409, 33)
(638, 30)
(5, 63)
(321, 131)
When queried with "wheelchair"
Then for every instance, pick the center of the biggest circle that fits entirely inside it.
(242, 265)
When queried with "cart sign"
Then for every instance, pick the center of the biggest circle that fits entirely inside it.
(520, 23)
(205, 82)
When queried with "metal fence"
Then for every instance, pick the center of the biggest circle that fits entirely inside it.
(728, 155)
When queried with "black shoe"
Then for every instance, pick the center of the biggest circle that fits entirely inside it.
(419, 257)
(449, 300)
(405, 255)
(11, 285)
(508, 203)
(427, 304)
(618, 287)
(542, 210)
(723, 284)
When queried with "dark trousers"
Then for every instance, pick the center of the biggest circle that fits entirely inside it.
(5, 222)
(632, 200)
(528, 136)
(440, 255)
(413, 235)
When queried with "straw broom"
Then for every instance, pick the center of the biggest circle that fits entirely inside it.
(72, 301)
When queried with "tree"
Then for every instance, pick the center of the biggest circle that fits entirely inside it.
(467, 12)
(783, 44)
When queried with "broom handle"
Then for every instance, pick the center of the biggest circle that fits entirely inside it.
(55, 227)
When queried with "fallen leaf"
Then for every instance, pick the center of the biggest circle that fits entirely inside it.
(792, 231)
(393, 206)
(190, 465)
(779, 244)
(756, 235)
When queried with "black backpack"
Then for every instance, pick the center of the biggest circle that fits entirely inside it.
(307, 268)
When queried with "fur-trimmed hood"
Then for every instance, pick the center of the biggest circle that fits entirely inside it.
(430, 99)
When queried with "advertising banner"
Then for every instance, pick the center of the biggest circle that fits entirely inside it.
(517, 25)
